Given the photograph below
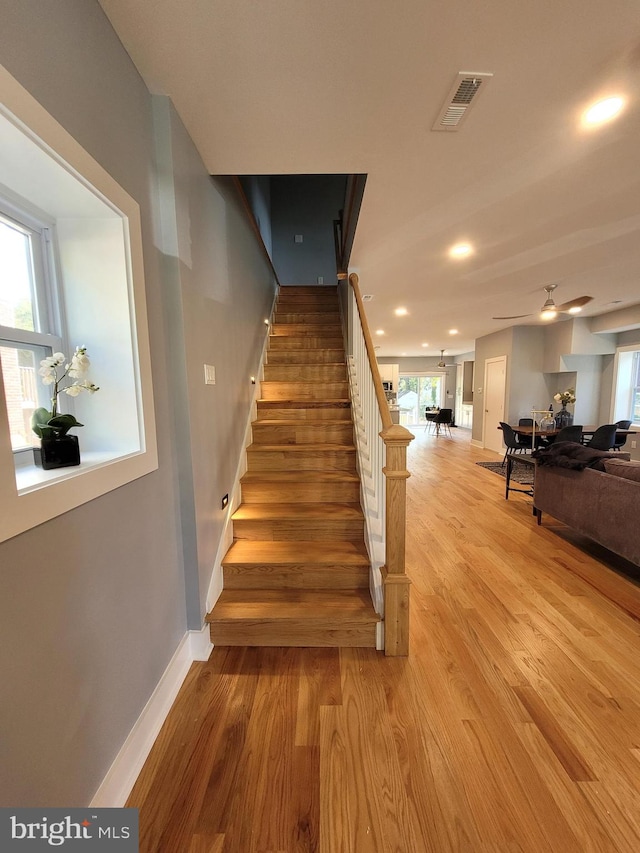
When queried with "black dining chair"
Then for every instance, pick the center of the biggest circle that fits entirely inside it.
(570, 433)
(443, 419)
(603, 438)
(510, 439)
(430, 416)
(621, 440)
(527, 440)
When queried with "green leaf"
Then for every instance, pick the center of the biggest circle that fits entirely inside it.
(39, 420)
(63, 423)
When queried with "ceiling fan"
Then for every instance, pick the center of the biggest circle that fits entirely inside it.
(549, 310)
(441, 364)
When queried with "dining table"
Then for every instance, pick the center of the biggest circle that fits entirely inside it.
(551, 433)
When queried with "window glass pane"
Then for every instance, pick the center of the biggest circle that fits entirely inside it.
(635, 389)
(24, 391)
(415, 395)
(16, 278)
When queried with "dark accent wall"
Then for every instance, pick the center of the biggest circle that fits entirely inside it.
(305, 205)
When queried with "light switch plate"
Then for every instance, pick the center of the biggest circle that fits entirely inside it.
(209, 374)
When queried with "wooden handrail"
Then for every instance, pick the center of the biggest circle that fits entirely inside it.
(385, 414)
(396, 439)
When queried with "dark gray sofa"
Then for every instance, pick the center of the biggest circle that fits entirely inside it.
(603, 506)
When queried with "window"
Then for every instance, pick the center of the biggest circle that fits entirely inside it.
(71, 274)
(626, 404)
(415, 394)
(26, 327)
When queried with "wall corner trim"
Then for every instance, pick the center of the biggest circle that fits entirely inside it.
(121, 776)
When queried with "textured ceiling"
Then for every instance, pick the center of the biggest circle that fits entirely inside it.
(297, 86)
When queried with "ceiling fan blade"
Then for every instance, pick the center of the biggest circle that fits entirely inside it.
(515, 317)
(575, 303)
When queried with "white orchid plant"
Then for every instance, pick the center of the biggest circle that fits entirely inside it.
(55, 370)
(566, 397)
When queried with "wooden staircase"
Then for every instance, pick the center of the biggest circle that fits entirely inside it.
(297, 573)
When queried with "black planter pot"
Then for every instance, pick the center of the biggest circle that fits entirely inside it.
(61, 452)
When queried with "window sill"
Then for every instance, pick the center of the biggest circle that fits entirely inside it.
(31, 477)
(36, 496)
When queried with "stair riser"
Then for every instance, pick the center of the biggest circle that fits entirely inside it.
(270, 530)
(268, 576)
(311, 492)
(318, 330)
(304, 390)
(305, 357)
(303, 372)
(304, 342)
(307, 318)
(296, 634)
(317, 433)
(281, 460)
(327, 296)
(278, 410)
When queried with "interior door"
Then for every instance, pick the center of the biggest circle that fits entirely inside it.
(495, 377)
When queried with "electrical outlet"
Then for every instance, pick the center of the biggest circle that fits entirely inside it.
(225, 501)
(633, 445)
(320, 279)
(209, 374)
(298, 238)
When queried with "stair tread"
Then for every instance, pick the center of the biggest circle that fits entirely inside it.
(297, 552)
(315, 403)
(297, 511)
(297, 422)
(294, 604)
(298, 476)
(299, 448)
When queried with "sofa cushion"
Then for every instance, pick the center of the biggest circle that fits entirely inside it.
(628, 470)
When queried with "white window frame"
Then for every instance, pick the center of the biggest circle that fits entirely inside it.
(28, 495)
(45, 298)
(622, 394)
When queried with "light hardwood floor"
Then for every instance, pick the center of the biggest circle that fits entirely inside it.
(514, 724)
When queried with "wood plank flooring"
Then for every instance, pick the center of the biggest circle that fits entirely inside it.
(513, 725)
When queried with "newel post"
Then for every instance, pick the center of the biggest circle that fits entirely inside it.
(396, 582)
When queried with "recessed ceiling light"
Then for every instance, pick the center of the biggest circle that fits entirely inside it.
(453, 331)
(603, 111)
(401, 312)
(425, 345)
(460, 250)
(379, 331)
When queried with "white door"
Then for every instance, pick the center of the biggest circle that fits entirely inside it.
(495, 377)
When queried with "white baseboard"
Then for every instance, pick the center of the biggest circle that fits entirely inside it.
(121, 776)
(476, 443)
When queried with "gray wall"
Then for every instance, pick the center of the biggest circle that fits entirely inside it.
(93, 603)
(307, 205)
(489, 346)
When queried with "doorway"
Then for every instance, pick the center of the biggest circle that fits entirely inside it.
(416, 392)
(495, 383)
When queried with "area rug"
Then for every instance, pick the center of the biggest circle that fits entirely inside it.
(519, 473)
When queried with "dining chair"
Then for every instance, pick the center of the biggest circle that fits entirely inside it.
(443, 419)
(527, 440)
(621, 440)
(570, 433)
(430, 416)
(510, 439)
(603, 438)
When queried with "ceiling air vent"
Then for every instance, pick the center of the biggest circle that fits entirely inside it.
(367, 297)
(462, 95)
